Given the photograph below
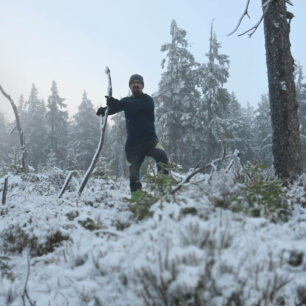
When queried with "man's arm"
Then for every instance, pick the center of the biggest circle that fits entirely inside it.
(113, 107)
(146, 103)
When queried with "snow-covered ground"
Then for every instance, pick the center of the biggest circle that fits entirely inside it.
(191, 251)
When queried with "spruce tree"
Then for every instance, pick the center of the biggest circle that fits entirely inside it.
(4, 141)
(85, 133)
(35, 129)
(114, 147)
(57, 117)
(239, 129)
(263, 132)
(176, 100)
(216, 100)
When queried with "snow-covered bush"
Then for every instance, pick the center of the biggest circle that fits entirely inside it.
(14, 240)
(262, 194)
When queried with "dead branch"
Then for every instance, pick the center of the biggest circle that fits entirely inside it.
(245, 13)
(21, 136)
(191, 175)
(66, 184)
(253, 29)
(99, 149)
(12, 130)
(4, 192)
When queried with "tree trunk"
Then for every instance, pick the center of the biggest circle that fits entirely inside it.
(286, 146)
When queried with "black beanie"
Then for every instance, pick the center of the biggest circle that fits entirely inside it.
(136, 77)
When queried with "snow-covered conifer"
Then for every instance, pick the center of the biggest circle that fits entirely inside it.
(114, 147)
(239, 129)
(263, 132)
(176, 100)
(85, 133)
(57, 117)
(216, 99)
(4, 140)
(35, 129)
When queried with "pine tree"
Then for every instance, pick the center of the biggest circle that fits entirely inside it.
(4, 141)
(35, 129)
(216, 99)
(57, 118)
(85, 133)
(263, 132)
(239, 129)
(114, 146)
(21, 107)
(176, 100)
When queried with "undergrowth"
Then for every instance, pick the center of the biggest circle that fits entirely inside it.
(262, 195)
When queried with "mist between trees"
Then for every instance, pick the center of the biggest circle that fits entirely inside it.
(197, 119)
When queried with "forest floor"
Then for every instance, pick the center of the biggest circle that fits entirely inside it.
(219, 240)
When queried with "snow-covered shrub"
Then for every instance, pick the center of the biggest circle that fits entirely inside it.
(201, 269)
(5, 271)
(91, 224)
(141, 204)
(14, 240)
(301, 296)
(8, 292)
(262, 195)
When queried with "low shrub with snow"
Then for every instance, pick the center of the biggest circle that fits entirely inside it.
(198, 246)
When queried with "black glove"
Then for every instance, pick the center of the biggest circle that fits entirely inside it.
(112, 102)
(101, 111)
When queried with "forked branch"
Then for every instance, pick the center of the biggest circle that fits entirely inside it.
(253, 29)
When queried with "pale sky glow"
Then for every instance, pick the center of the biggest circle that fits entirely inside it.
(71, 42)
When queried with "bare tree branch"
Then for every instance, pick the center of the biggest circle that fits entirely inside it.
(253, 29)
(18, 126)
(66, 184)
(12, 130)
(191, 175)
(245, 13)
(99, 149)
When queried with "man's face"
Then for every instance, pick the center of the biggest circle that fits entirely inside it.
(136, 88)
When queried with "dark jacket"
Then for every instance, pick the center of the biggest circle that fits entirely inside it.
(139, 117)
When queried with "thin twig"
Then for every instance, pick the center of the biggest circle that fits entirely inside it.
(191, 175)
(66, 184)
(245, 13)
(253, 29)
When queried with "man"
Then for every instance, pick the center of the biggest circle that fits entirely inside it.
(141, 136)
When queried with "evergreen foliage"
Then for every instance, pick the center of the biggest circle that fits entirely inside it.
(4, 141)
(177, 99)
(214, 107)
(57, 118)
(263, 132)
(85, 133)
(239, 127)
(35, 128)
(114, 153)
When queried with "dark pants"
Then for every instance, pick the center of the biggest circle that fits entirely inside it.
(135, 156)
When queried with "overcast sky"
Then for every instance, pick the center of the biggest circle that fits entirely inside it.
(71, 42)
